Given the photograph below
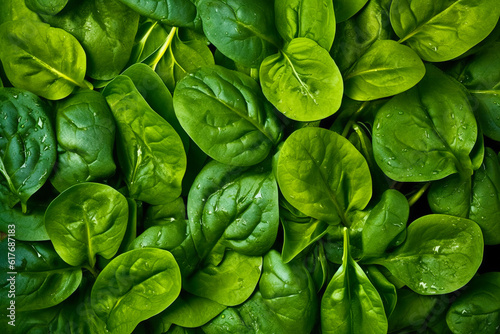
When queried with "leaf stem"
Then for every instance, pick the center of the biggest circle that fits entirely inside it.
(353, 118)
(93, 271)
(159, 54)
(413, 199)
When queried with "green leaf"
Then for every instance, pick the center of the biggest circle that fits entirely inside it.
(150, 152)
(323, 175)
(42, 280)
(226, 115)
(135, 286)
(384, 287)
(189, 311)
(27, 143)
(85, 131)
(302, 81)
(86, 220)
(305, 18)
(29, 51)
(242, 30)
(385, 69)
(298, 236)
(344, 9)
(48, 7)
(440, 255)
(445, 29)
(30, 226)
(233, 208)
(179, 13)
(229, 283)
(438, 112)
(106, 30)
(477, 309)
(351, 304)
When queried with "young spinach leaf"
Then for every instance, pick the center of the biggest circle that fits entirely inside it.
(86, 220)
(294, 19)
(29, 52)
(344, 9)
(323, 175)
(150, 152)
(436, 110)
(478, 308)
(27, 143)
(48, 7)
(226, 115)
(179, 13)
(433, 30)
(85, 131)
(385, 69)
(243, 30)
(302, 81)
(440, 255)
(42, 280)
(351, 304)
(135, 286)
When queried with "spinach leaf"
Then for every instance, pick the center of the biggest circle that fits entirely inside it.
(86, 220)
(42, 280)
(351, 304)
(179, 13)
(436, 110)
(106, 31)
(385, 69)
(135, 286)
(480, 75)
(323, 175)
(302, 81)
(48, 7)
(38, 321)
(175, 237)
(16, 9)
(285, 303)
(233, 208)
(293, 19)
(226, 115)
(384, 287)
(356, 35)
(433, 30)
(229, 283)
(29, 52)
(344, 9)
(27, 143)
(150, 152)
(181, 58)
(478, 308)
(85, 131)
(440, 255)
(189, 311)
(157, 215)
(243, 30)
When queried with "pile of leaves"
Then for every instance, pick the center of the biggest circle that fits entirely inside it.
(250, 166)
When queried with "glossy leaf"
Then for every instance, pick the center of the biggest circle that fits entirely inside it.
(298, 236)
(179, 13)
(233, 208)
(105, 29)
(16, 9)
(86, 220)
(323, 175)
(478, 308)
(225, 114)
(442, 30)
(437, 110)
(294, 18)
(351, 304)
(385, 288)
(229, 283)
(344, 9)
(440, 255)
(42, 280)
(135, 286)
(30, 55)
(242, 30)
(27, 143)
(85, 131)
(387, 68)
(30, 226)
(150, 152)
(302, 81)
(157, 215)
(48, 7)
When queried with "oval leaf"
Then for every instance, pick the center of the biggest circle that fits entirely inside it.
(302, 81)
